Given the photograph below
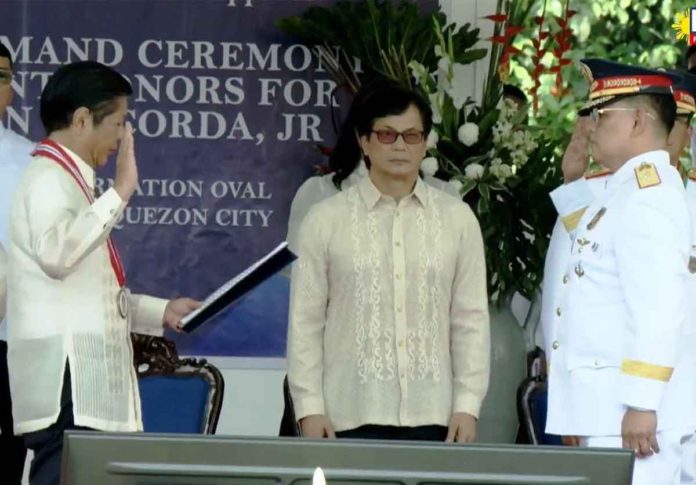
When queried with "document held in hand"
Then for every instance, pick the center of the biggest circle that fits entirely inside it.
(237, 287)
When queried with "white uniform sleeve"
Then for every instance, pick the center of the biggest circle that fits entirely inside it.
(652, 247)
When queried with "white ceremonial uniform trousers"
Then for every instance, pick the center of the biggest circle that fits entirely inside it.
(663, 468)
(688, 473)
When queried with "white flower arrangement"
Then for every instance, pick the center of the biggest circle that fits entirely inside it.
(474, 171)
(457, 184)
(460, 140)
(429, 166)
(468, 133)
(483, 149)
(432, 140)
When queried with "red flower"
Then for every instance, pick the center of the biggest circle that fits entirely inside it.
(562, 39)
(539, 68)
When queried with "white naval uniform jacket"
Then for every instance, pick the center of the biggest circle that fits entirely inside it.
(621, 324)
(62, 305)
(555, 263)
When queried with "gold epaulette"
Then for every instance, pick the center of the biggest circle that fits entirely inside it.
(647, 176)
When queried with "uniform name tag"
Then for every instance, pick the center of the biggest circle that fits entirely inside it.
(692, 265)
(600, 213)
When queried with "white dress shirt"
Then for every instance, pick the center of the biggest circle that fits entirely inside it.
(389, 313)
(320, 187)
(15, 155)
(62, 305)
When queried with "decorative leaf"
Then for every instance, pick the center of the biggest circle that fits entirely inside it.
(488, 120)
(467, 186)
(470, 56)
(497, 17)
(484, 191)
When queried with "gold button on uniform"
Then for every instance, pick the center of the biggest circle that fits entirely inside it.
(565, 279)
(555, 344)
(558, 311)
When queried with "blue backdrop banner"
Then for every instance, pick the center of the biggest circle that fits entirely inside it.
(227, 110)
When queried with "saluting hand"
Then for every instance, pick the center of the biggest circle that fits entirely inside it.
(126, 168)
(576, 158)
(176, 310)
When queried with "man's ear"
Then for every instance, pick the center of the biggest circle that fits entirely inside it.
(640, 121)
(81, 118)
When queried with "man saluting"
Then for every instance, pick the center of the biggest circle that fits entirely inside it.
(70, 312)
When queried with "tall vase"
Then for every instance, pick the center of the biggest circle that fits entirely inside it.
(498, 422)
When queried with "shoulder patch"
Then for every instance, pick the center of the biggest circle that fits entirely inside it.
(646, 175)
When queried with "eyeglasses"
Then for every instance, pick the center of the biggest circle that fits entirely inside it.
(5, 77)
(596, 113)
(389, 136)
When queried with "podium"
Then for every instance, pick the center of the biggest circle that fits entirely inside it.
(137, 458)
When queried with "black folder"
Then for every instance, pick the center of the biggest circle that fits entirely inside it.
(232, 291)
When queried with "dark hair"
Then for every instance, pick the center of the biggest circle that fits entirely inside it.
(85, 84)
(664, 106)
(375, 100)
(5, 52)
(666, 109)
(511, 91)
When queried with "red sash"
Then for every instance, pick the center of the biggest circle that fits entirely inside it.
(50, 149)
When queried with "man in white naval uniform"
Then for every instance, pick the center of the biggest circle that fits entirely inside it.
(70, 313)
(620, 375)
(15, 154)
(559, 246)
(685, 96)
